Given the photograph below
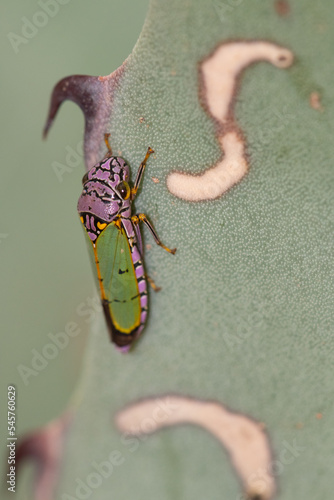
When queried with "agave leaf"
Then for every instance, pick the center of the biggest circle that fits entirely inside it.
(245, 314)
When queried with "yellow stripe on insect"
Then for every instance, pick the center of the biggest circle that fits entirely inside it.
(101, 225)
(99, 277)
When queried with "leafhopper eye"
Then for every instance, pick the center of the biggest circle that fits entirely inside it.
(85, 178)
(124, 190)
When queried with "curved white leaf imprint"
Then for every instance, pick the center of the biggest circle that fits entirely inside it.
(219, 77)
(244, 439)
(215, 181)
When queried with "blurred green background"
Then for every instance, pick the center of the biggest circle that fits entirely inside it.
(45, 273)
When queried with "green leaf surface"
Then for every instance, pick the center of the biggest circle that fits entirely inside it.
(245, 315)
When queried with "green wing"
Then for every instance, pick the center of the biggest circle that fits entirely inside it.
(112, 262)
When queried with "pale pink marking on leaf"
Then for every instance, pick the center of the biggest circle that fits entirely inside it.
(243, 438)
(214, 181)
(220, 73)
